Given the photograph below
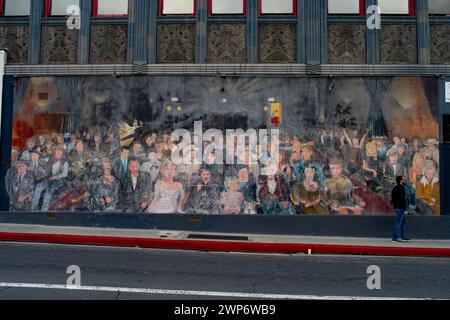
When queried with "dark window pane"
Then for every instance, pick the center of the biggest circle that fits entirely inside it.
(394, 7)
(112, 7)
(178, 7)
(277, 6)
(439, 6)
(446, 123)
(343, 6)
(59, 7)
(17, 7)
(227, 6)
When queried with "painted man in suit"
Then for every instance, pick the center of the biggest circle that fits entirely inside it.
(22, 187)
(135, 188)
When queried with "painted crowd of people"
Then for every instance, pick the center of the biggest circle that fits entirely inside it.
(318, 173)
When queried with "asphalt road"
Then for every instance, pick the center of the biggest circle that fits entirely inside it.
(206, 273)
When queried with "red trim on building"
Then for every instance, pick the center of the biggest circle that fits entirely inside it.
(96, 14)
(226, 246)
(94, 8)
(160, 7)
(362, 8)
(412, 8)
(47, 8)
(1, 8)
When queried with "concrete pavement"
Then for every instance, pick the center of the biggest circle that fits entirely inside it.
(166, 239)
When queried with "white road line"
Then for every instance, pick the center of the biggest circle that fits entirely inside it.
(192, 292)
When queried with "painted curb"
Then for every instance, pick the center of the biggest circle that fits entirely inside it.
(224, 246)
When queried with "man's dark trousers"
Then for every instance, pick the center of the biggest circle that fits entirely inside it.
(400, 224)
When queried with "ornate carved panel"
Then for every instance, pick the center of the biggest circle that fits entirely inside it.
(15, 39)
(58, 45)
(439, 44)
(277, 43)
(176, 43)
(109, 44)
(346, 44)
(226, 43)
(398, 44)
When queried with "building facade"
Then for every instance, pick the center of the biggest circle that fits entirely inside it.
(354, 104)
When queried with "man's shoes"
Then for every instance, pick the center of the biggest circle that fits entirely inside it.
(395, 240)
(404, 240)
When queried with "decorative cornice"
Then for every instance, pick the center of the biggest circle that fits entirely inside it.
(229, 70)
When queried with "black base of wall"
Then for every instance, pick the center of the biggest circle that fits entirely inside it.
(332, 226)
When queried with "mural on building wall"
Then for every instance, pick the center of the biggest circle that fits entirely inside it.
(105, 144)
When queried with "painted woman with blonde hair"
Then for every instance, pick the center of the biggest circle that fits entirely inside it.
(372, 167)
(416, 170)
(169, 194)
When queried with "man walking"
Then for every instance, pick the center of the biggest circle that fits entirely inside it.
(400, 205)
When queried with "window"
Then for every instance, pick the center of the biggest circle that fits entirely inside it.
(15, 8)
(277, 6)
(346, 7)
(404, 7)
(59, 7)
(439, 7)
(110, 7)
(176, 7)
(227, 6)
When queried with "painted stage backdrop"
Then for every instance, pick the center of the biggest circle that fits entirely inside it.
(333, 145)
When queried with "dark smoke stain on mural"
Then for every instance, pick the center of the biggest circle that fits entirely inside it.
(103, 144)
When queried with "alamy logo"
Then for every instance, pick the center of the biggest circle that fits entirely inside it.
(75, 275)
(241, 147)
(374, 280)
(73, 20)
(373, 17)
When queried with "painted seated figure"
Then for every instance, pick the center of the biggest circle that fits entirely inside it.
(392, 169)
(338, 192)
(307, 161)
(428, 190)
(169, 194)
(22, 186)
(372, 167)
(306, 195)
(232, 199)
(105, 191)
(273, 194)
(204, 195)
(247, 186)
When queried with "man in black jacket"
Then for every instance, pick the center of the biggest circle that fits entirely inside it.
(400, 205)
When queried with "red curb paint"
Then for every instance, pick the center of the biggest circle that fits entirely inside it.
(257, 247)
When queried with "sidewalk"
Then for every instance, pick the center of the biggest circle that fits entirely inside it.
(184, 240)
